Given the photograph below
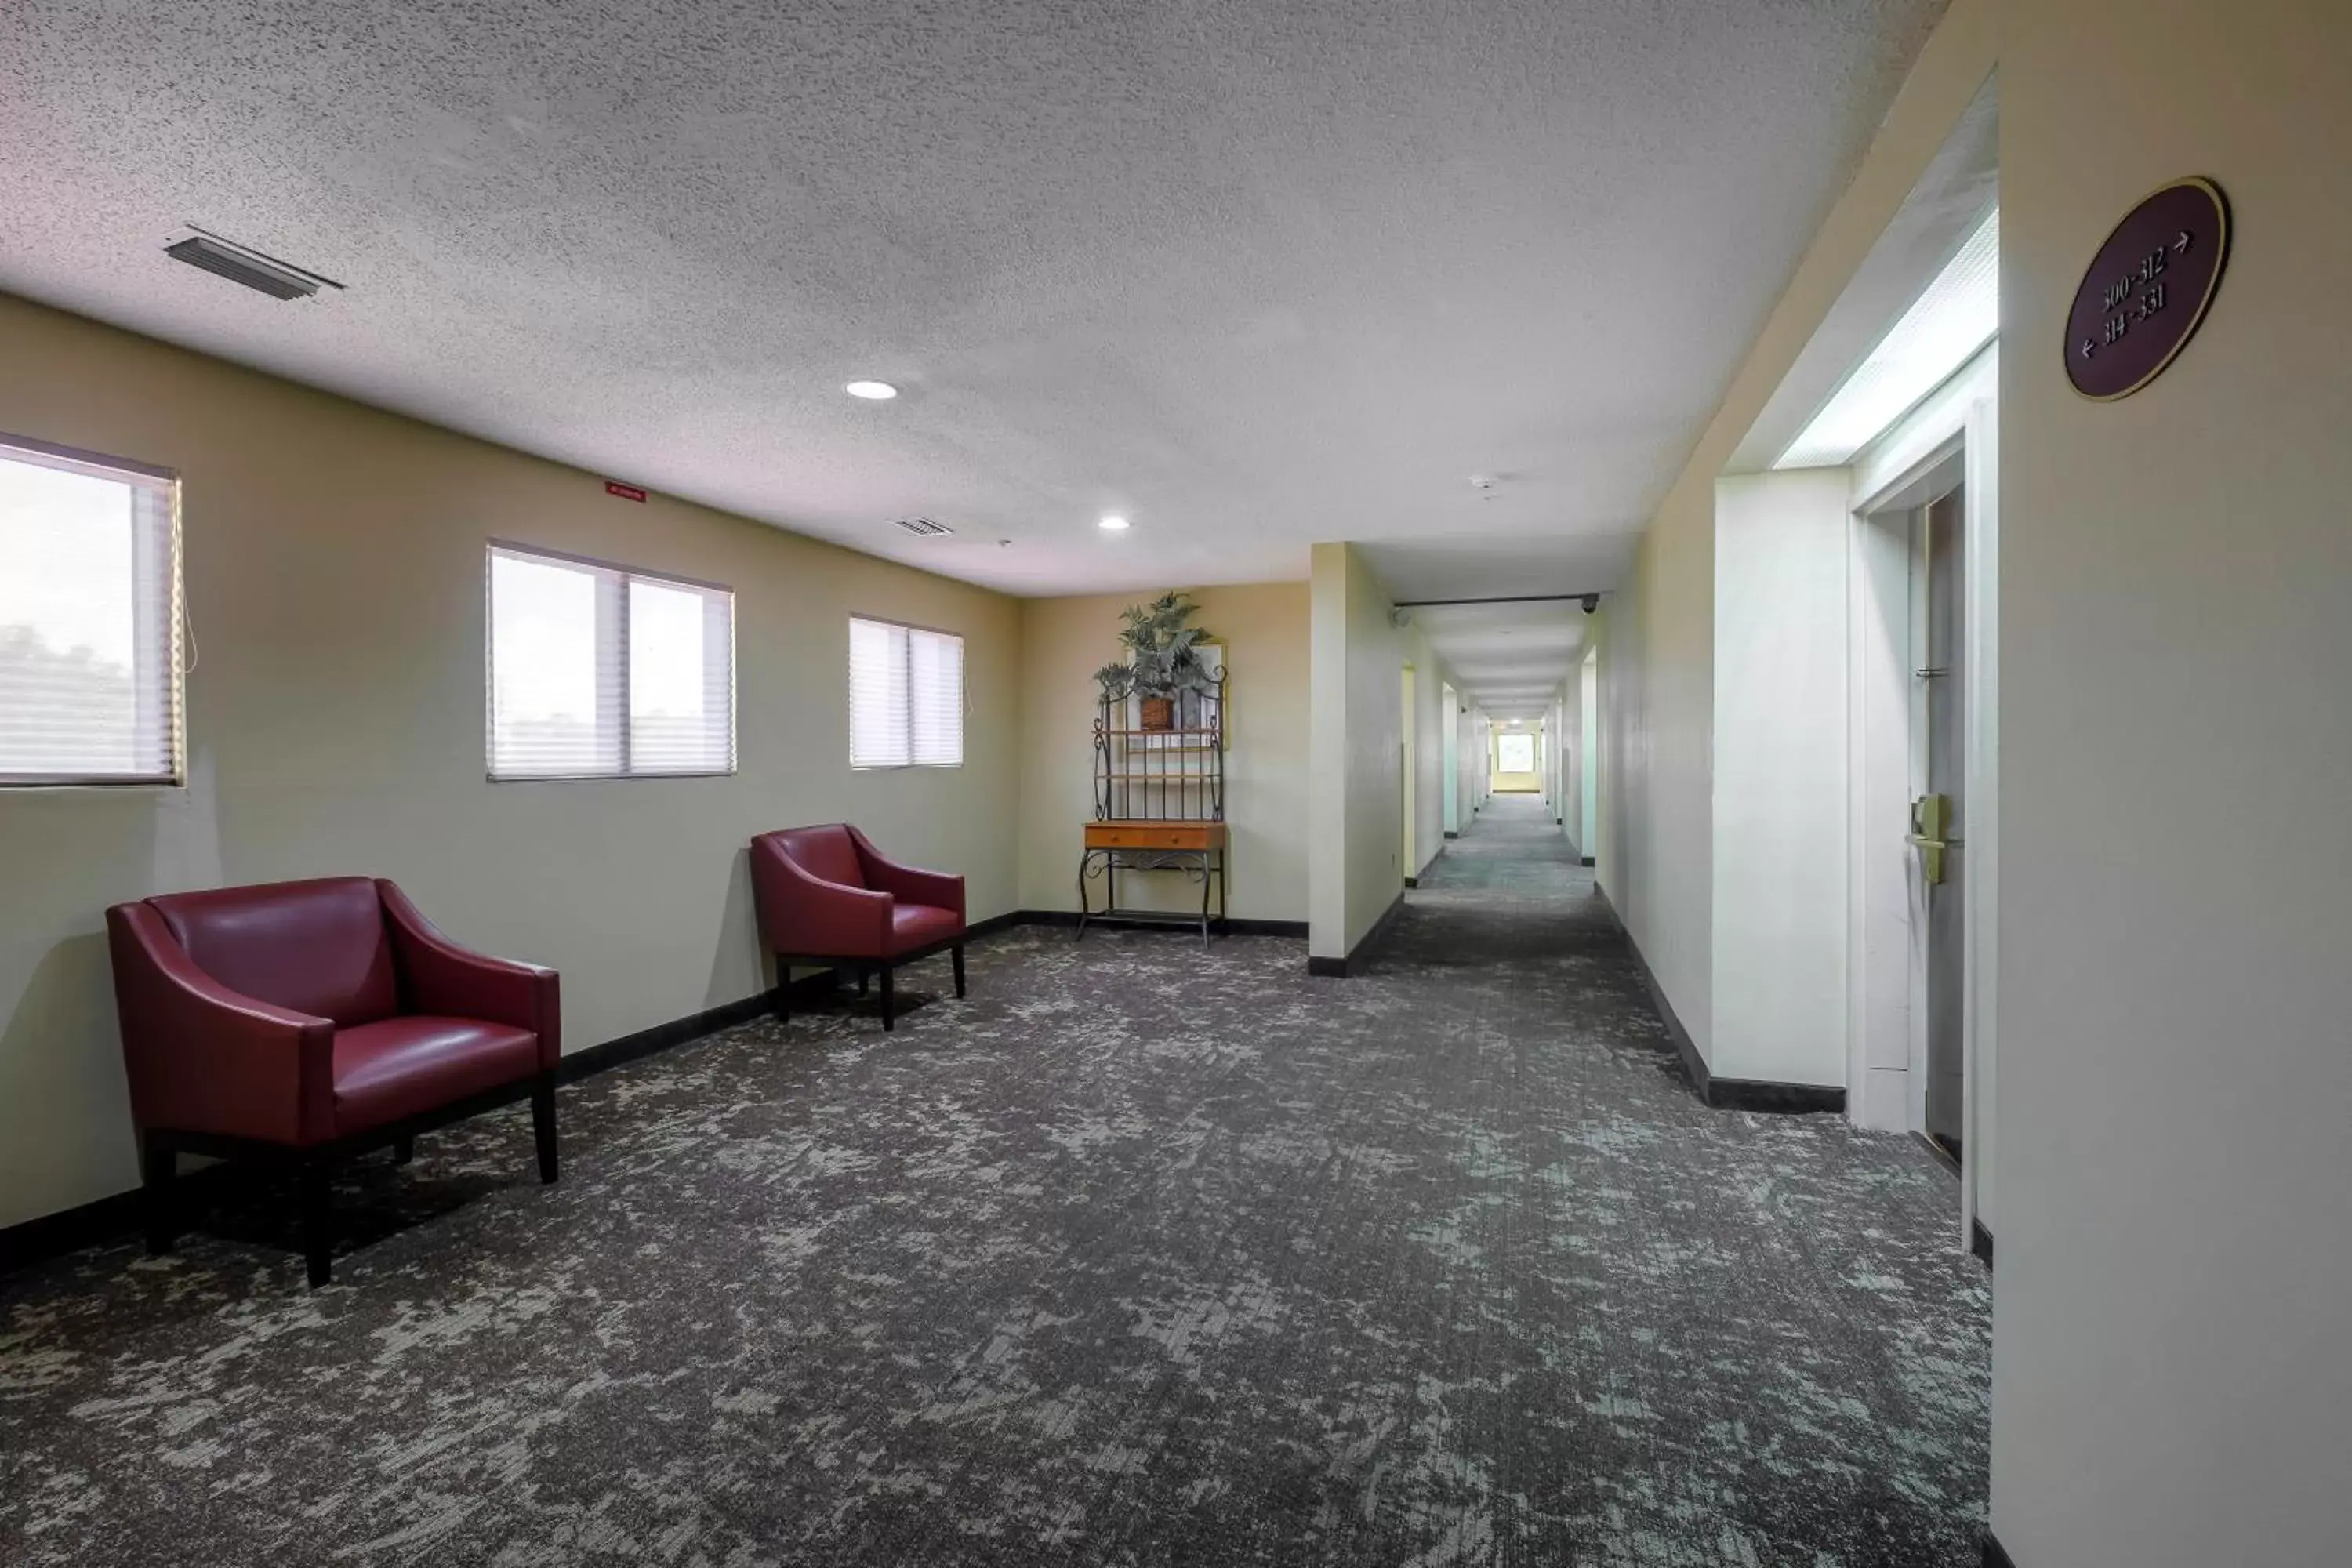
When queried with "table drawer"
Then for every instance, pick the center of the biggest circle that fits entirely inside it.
(1155, 835)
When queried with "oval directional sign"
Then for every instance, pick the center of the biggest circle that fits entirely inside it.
(2147, 289)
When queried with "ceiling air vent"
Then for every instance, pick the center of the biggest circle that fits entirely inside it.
(240, 264)
(923, 527)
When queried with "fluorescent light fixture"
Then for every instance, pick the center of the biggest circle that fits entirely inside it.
(873, 391)
(1943, 330)
(1114, 523)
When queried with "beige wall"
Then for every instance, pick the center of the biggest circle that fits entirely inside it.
(1657, 664)
(2170, 1386)
(1431, 678)
(1779, 827)
(334, 581)
(1264, 627)
(1355, 833)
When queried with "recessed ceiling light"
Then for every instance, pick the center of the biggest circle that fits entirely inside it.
(1114, 523)
(875, 391)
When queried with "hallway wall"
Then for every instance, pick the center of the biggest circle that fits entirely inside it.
(1470, 763)
(1657, 665)
(1356, 736)
(1568, 720)
(1355, 837)
(2170, 1383)
(1779, 826)
(1432, 676)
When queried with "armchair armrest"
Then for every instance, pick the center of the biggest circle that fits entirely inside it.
(440, 976)
(940, 889)
(204, 1058)
(808, 917)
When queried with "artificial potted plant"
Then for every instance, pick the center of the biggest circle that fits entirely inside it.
(1163, 660)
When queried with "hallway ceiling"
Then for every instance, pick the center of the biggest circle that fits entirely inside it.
(1253, 276)
(1510, 659)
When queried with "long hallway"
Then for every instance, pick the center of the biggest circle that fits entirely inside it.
(1769, 1315)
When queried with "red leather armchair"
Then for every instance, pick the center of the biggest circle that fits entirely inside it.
(307, 1022)
(829, 899)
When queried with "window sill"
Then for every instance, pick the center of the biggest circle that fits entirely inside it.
(92, 786)
(607, 778)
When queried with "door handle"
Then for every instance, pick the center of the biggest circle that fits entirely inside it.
(1931, 817)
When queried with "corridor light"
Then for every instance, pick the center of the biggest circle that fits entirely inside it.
(1113, 524)
(872, 391)
(1944, 329)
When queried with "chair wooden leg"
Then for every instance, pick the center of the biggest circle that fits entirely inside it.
(889, 1020)
(957, 953)
(159, 1169)
(863, 975)
(318, 1220)
(783, 991)
(403, 1148)
(542, 1125)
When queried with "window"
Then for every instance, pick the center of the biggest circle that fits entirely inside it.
(597, 671)
(1514, 753)
(906, 697)
(89, 619)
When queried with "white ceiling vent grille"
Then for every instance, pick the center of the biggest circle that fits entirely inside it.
(923, 527)
(239, 264)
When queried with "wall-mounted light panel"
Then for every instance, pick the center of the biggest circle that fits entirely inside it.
(1957, 314)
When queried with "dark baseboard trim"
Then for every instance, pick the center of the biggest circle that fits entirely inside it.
(1584, 860)
(1763, 1094)
(1340, 968)
(69, 1230)
(661, 1037)
(1724, 1093)
(1231, 925)
(1451, 834)
(995, 924)
(1413, 881)
(1994, 1557)
(1981, 1242)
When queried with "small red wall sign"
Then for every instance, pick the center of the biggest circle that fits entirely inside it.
(626, 492)
(2147, 289)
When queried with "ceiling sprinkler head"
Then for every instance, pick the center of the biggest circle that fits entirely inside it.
(1591, 603)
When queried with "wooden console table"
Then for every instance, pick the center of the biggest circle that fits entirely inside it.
(1196, 849)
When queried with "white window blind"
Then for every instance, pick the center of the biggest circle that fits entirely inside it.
(90, 620)
(598, 671)
(906, 697)
(1515, 754)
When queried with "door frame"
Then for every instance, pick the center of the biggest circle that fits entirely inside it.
(1407, 789)
(1882, 744)
(1449, 733)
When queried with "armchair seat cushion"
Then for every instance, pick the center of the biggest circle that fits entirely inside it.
(920, 926)
(405, 1067)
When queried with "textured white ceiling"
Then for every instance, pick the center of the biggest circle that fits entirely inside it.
(1510, 659)
(1257, 274)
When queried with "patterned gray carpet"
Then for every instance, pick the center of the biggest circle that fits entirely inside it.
(1136, 1257)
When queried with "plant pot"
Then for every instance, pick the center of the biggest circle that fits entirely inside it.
(1160, 713)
